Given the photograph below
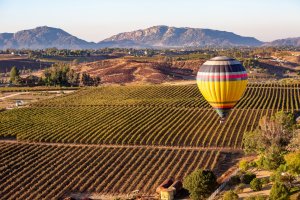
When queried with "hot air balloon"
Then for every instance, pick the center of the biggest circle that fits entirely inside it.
(222, 82)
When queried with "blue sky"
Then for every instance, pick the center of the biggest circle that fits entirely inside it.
(94, 20)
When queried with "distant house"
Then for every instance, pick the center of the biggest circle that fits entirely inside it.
(19, 103)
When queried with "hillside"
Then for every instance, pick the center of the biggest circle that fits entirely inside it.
(148, 71)
(41, 38)
(164, 36)
(154, 37)
(285, 42)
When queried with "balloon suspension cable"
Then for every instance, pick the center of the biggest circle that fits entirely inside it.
(222, 120)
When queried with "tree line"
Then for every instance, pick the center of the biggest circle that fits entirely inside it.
(57, 75)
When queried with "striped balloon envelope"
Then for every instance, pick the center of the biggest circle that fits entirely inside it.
(222, 82)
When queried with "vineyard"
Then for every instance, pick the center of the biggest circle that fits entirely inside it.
(50, 171)
(145, 115)
(117, 139)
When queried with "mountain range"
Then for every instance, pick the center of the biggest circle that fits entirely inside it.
(153, 37)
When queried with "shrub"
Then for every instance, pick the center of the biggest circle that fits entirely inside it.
(243, 165)
(252, 164)
(270, 162)
(256, 184)
(275, 176)
(230, 195)
(293, 162)
(265, 180)
(279, 192)
(259, 197)
(248, 177)
(234, 180)
(200, 183)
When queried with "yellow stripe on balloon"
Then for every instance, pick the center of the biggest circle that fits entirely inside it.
(230, 90)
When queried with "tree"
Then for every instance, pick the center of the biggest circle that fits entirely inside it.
(248, 177)
(97, 81)
(86, 79)
(279, 192)
(200, 183)
(250, 143)
(270, 139)
(276, 130)
(72, 78)
(230, 195)
(293, 162)
(294, 145)
(256, 184)
(272, 131)
(14, 75)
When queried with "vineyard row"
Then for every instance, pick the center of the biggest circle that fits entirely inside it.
(32, 171)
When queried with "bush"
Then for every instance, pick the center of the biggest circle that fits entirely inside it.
(230, 195)
(234, 180)
(265, 180)
(259, 197)
(293, 162)
(279, 192)
(252, 164)
(270, 162)
(243, 165)
(256, 184)
(248, 177)
(275, 176)
(200, 183)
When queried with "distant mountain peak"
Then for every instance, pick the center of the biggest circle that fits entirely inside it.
(42, 37)
(165, 36)
(160, 36)
(295, 41)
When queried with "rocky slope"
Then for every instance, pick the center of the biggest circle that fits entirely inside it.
(164, 36)
(41, 38)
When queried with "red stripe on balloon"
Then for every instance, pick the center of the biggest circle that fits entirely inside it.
(223, 76)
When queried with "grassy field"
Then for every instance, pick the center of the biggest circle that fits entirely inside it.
(116, 139)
